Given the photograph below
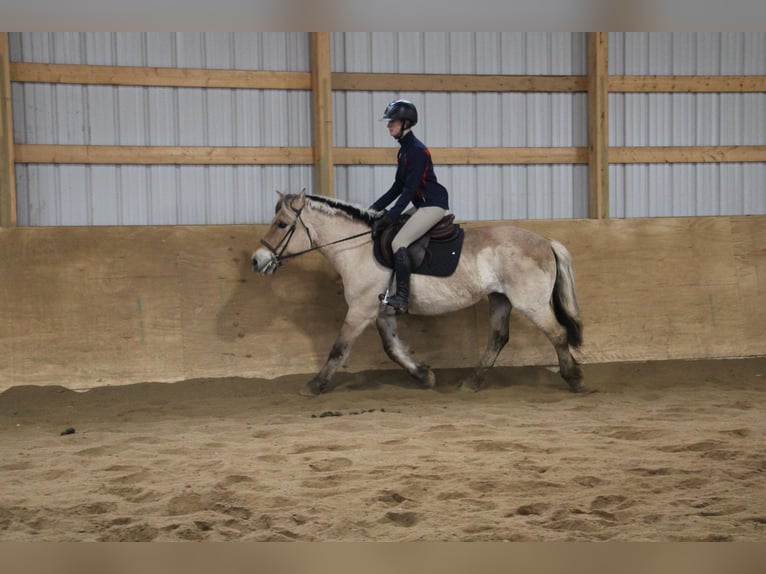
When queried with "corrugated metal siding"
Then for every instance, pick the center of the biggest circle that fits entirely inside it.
(106, 115)
(687, 120)
(97, 115)
(152, 195)
(109, 115)
(284, 51)
(470, 119)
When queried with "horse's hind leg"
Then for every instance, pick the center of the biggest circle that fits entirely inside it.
(499, 322)
(544, 318)
(398, 353)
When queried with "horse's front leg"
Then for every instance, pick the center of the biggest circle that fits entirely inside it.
(396, 350)
(356, 321)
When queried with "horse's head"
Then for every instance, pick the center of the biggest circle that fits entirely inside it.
(281, 240)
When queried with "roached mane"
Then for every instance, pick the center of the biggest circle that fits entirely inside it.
(332, 206)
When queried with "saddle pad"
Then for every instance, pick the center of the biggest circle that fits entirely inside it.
(441, 256)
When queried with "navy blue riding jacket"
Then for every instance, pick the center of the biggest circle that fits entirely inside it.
(415, 180)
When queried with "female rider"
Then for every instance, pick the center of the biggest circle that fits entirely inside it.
(415, 183)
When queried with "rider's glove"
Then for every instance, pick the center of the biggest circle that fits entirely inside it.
(385, 220)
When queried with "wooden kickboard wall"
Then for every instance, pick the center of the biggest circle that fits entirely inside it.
(85, 307)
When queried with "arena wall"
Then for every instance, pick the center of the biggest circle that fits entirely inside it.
(85, 307)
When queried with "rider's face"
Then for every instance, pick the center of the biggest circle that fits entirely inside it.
(394, 127)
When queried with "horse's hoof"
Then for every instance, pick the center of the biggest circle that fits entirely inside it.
(312, 389)
(426, 376)
(470, 385)
(579, 388)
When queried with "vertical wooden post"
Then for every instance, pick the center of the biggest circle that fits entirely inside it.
(321, 113)
(598, 125)
(7, 165)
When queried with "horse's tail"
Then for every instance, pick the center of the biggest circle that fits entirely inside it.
(564, 299)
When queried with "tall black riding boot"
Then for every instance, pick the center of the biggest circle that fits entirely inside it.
(402, 268)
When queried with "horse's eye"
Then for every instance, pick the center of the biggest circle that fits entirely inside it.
(281, 225)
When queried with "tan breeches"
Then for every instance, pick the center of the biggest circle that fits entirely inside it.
(420, 221)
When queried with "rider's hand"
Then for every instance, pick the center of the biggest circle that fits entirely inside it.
(385, 220)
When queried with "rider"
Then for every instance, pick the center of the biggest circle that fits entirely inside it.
(415, 183)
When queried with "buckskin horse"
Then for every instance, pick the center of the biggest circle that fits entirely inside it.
(513, 267)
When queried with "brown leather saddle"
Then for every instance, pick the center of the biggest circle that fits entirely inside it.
(446, 236)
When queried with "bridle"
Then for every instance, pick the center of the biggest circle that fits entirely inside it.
(279, 257)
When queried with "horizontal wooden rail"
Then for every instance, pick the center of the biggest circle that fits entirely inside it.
(193, 155)
(255, 79)
(559, 155)
(159, 155)
(468, 155)
(688, 154)
(355, 81)
(165, 77)
(551, 84)
(687, 84)
(456, 83)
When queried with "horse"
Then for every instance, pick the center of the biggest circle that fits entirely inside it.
(513, 267)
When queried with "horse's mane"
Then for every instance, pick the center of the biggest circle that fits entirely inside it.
(333, 206)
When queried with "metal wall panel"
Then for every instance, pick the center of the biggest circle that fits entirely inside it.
(125, 115)
(654, 190)
(152, 195)
(283, 51)
(688, 189)
(469, 119)
(107, 115)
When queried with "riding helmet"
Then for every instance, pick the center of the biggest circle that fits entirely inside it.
(403, 110)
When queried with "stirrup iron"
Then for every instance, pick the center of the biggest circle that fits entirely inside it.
(383, 297)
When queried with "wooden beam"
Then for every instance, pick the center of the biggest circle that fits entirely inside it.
(7, 162)
(162, 155)
(687, 84)
(456, 83)
(168, 155)
(165, 77)
(321, 113)
(598, 122)
(688, 154)
(468, 155)
(510, 155)
(355, 81)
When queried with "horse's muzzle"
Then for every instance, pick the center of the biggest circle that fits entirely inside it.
(264, 262)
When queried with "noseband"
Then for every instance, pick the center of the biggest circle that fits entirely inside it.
(279, 257)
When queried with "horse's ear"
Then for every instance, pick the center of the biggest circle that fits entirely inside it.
(300, 199)
(280, 201)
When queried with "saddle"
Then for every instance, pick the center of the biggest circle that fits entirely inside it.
(435, 253)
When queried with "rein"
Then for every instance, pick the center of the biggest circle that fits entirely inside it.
(288, 256)
(280, 257)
